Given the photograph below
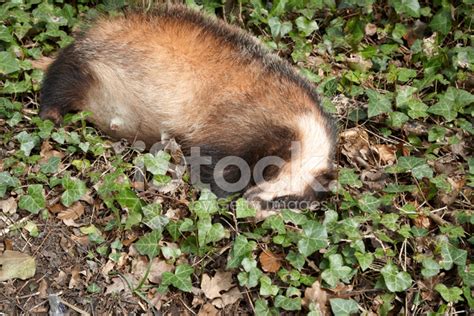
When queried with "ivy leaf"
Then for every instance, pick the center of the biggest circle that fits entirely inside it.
(410, 7)
(153, 218)
(349, 177)
(451, 255)
(27, 142)
(306, 26)
(451, 102)
(74, 190)
(157, 164)
(430, 268)
(441, 22)
(378, 103)
(287, 303)
(180, 279)
(342, 307)
(34, 201)
(148, 244)
(208, 232)
(336, 272)
(266, 287)
(422, 171)
(395, 280)
(452, 294)
(278, 28)
(8, 63)
(364, 259)
(368, 203)
(290, 216)
(241, 249)
(6, 181)
(251, 274)
(314, 238)
(206, 205)
(50, 166)
(243, 209)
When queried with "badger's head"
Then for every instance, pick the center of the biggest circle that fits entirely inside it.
(306, 176)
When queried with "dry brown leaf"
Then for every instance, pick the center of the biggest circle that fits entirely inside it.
(158, 267)
(208, 310)
(75, 277)
(370, 29)
(48, 152)
(318, 296)
(228, 298)
(43, 289)
(422, 221)
(73, 212)
(118, 285)
(269, 261)
(222, 281)
(8, 206)
(56, 208)
(106, 268)
(355, 146)
(387, 153)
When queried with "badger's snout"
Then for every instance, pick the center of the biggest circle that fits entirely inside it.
(52, 114)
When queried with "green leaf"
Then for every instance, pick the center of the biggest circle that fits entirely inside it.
(157, 164)
(8, 63)
(278, 28)
(153, 218)
(397, 119)
(368, 203)
(206, 205)
(378, 103)
(452, 294)
(50, 166)
(422, 171)
(241, 249)
(266, 287)
(74, 190)
(451, 255)
(441, 22)
(288, 304)
(180, 279)
(306, 26)
(336, 272)
(6, 181)
(349, 177)
(451, 103)
(405, 74)
(364, 259)
(208, 232)
(430, 268)
(342, 307)
(315, 237)
(410, 7)
(34, 201)
(27, 142)
(290, 216)
(243, 209)
(395, 280)
(148, 244)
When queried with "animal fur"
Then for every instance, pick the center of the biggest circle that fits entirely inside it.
(207, 84)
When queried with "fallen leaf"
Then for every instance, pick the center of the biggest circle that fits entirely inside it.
(158, 267)
(228, 298)
(208, 310)
(43, 289)
(118, 285)
(73, 212)
(318, 296)
(269, 261)
(386, 153)
(8, 206)
(47, 152)
(222, 281)
(75, 277)
(56, 208)
(370, 29)
(355, 146)
(16, 265)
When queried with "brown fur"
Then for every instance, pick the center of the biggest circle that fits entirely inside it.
(178, 73)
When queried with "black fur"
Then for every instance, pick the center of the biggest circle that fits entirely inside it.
(65, 85)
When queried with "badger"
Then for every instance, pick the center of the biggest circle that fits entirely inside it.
(176, 73)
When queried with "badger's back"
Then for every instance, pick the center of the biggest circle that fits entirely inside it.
(203, 82)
